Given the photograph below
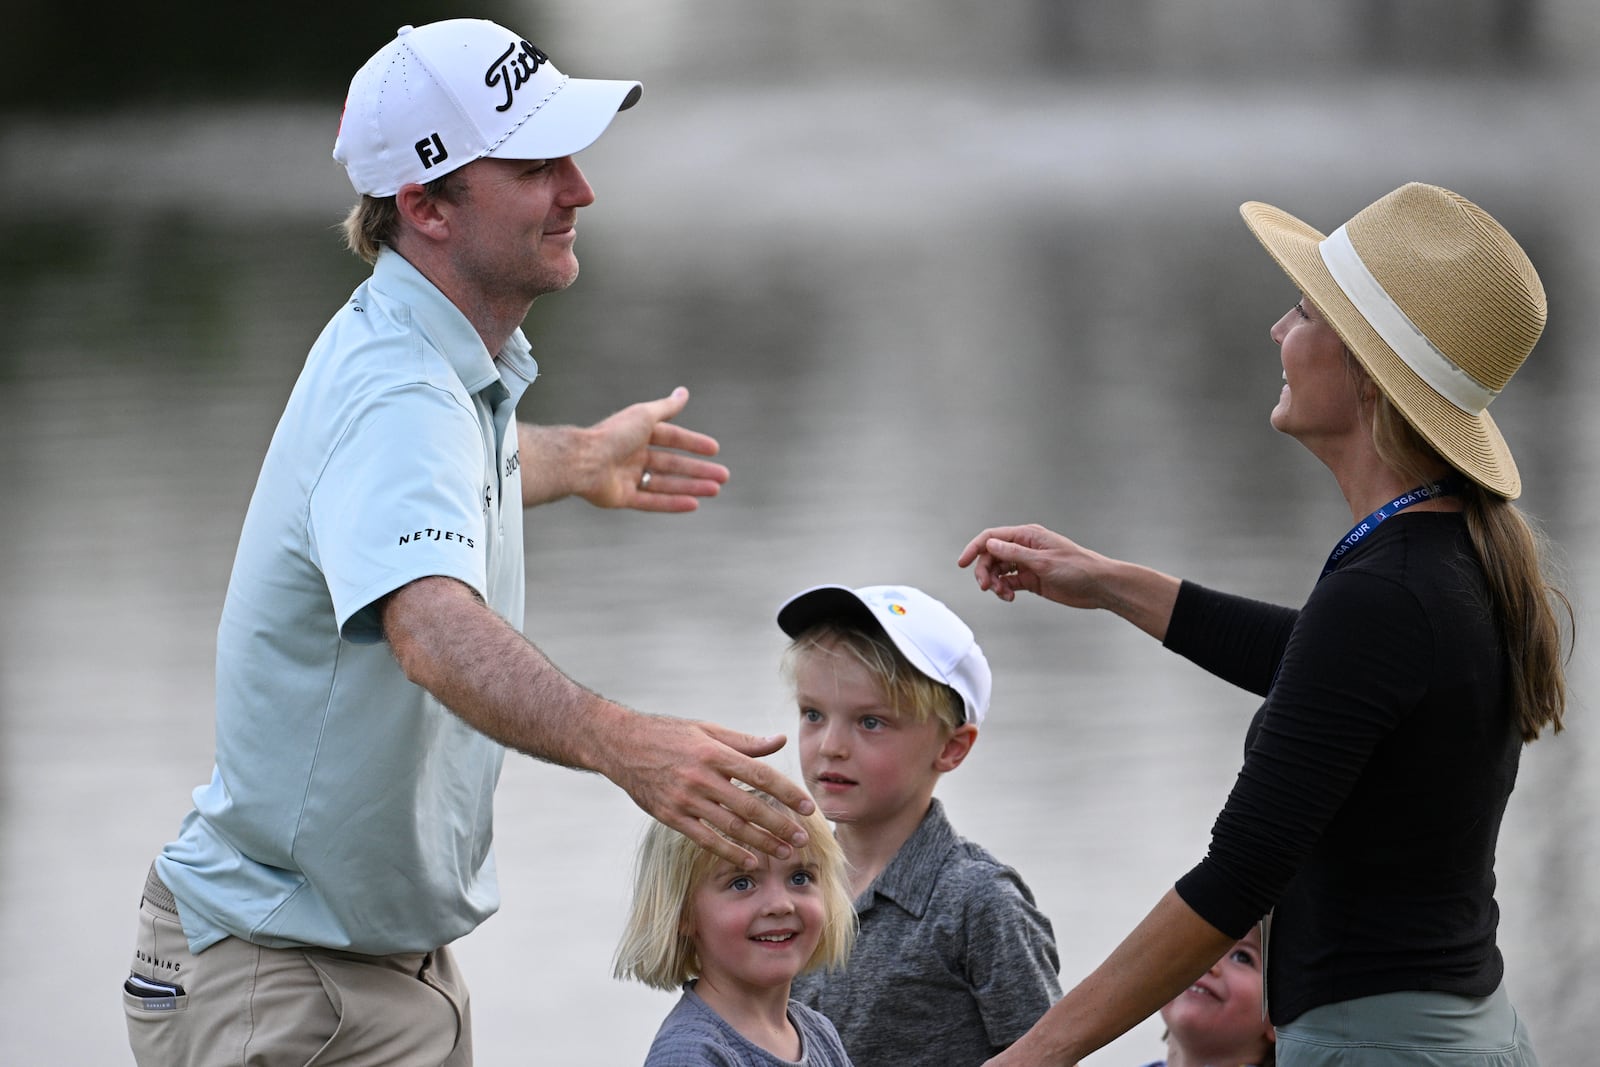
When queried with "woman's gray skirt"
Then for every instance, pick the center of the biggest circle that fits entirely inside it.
(1413, 1029)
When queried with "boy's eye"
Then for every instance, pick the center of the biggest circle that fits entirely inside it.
(810, 715)
(871, 722)
(1243, 958)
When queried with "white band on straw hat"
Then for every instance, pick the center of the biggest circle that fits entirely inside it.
(1395, 327)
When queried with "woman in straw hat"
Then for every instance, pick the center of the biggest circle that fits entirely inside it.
(1397, 698)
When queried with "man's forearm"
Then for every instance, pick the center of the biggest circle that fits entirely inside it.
(548, 456)
(491, 676)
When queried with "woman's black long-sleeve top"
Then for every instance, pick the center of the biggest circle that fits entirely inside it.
(1375, 774)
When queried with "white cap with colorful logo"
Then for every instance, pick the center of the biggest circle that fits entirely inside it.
(439, 96)
(930, 636)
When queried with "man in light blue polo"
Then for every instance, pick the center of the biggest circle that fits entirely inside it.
(370, 661)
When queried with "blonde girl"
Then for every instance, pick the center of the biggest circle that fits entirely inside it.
(733, 939)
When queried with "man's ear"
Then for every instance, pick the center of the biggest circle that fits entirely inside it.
(956, 747)
(423, 213)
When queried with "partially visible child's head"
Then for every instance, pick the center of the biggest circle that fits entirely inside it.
(1219, 1020)
(666, 927)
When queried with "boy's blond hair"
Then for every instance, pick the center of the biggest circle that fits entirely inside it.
(654, 948)
(906, 689)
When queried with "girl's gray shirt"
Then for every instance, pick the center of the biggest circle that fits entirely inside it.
(692, 1035)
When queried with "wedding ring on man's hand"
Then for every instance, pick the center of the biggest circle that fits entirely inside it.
(644, 480)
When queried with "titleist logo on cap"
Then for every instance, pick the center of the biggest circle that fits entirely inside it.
(513, 69)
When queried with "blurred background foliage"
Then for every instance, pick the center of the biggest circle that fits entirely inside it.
(78, 57)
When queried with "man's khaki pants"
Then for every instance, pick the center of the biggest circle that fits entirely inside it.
(241, 1005)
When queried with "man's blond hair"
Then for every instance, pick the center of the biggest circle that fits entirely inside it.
(374, 221)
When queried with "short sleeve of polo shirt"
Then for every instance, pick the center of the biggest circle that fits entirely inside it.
(400, 498)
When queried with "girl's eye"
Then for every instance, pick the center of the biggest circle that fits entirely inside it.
(1301, 308)
(810, 715)
(1243, 958)
(871, 722)
(742, 883)
(802, 877)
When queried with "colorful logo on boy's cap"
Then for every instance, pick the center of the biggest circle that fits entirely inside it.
(897, 609)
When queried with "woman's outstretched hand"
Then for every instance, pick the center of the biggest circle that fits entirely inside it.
(1007, 560)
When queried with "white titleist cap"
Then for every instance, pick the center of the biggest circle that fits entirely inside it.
(439, 96)
(931, 636)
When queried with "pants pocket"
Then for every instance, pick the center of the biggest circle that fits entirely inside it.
(153, 1032)
(386, 1017)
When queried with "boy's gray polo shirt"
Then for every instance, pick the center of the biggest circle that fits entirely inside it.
(953, 962)
(348, 808)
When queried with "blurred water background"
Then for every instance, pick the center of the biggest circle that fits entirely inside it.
(925, 267)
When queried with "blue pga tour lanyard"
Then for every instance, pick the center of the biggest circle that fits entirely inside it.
(1449, 485)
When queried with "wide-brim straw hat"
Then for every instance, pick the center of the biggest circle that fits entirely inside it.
(1435, 299)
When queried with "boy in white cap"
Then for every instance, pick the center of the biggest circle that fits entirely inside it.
(953, 961)
(371, 668)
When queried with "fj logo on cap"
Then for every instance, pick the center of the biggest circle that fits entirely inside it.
(513, 69)
(431, 151)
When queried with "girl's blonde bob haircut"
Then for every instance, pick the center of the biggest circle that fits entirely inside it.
(670, 867)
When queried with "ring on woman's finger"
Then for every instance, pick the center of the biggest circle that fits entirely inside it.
(644, 480)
